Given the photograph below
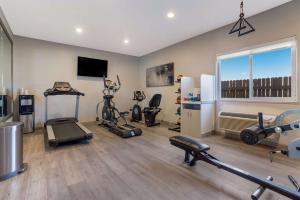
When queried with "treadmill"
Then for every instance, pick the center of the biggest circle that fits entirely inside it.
(64, 130)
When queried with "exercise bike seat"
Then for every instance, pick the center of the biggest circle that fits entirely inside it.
(188, 144)
(124, 114)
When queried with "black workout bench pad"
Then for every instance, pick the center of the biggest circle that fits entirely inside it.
(188, 144)
(191, 148)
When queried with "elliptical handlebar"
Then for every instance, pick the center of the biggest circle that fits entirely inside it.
(105, 85)
(114, 87)
(104, 81)
(143, 94)
(119, 82)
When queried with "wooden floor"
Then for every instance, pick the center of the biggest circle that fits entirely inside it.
(145, 167)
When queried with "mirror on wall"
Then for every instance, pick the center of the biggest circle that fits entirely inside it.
(5, 74)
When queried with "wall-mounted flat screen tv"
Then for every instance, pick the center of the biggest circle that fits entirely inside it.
(91, 67)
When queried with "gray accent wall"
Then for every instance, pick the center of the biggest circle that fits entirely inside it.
(38, 64)
(197, 56)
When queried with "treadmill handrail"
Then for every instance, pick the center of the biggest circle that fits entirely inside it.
(54, 91)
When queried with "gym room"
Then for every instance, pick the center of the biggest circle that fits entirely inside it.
(149, 99)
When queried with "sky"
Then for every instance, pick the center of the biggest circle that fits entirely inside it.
(265, 65)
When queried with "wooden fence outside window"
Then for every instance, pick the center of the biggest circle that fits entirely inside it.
(263, 87)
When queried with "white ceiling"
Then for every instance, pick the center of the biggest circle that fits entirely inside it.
(106, 23)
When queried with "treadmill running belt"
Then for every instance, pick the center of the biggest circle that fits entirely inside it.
(68, 132)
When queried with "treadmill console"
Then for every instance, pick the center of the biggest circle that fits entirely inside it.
(62, 86)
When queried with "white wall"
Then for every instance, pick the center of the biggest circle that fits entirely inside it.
(38, 64)
(198, 55)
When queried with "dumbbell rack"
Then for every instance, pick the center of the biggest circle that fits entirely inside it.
(177, 127)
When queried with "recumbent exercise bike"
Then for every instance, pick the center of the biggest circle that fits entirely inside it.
(150, 112)
(111, 115)
(253, 135)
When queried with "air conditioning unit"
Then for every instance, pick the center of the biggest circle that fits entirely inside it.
(233, 123)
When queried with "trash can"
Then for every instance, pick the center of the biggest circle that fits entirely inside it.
(11, 149)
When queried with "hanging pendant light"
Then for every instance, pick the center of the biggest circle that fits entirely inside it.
(242, 26)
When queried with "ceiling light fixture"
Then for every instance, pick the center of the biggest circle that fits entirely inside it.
(79, 30)
(242, 25)
(170, 15)
(126, 41)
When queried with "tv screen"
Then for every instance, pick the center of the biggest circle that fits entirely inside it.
(91, 67)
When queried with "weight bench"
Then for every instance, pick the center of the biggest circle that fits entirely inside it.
(199, 152)
(191, 148)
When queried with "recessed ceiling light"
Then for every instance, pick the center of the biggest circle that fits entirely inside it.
(79, 30)
(170, 15)
(126, 41)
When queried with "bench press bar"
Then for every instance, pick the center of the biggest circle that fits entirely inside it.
(263, 183)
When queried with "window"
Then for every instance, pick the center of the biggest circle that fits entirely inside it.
(266, 73)
(235, 77)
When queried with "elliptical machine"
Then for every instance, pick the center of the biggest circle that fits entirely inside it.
(111, 115)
